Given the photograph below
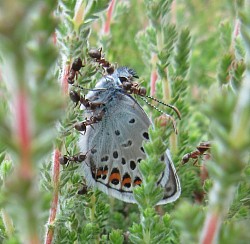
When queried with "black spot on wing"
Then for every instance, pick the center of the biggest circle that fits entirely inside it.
(132, 164)
(127, 144)
(115, 154)
(123, 161)
(132, 121)
(145, 135)
(105, 158)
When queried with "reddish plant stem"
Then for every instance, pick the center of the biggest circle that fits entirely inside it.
(54, 205)
(23, 132)
(54, 38)
(211, 229)
(65, 84)
(236, 33)
(56, 179)
(236, 28)
(203, 170)
(79, 13)
(56, 168)
(106, 28)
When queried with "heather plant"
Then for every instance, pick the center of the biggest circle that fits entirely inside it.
(192, 54)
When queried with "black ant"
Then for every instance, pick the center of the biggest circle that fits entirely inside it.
(82, 126)
(97, 55)
(65, 159)
(200, 150)
(77, 158)
(76, 98)
(134, 88)
(89, 105)
(74, 70)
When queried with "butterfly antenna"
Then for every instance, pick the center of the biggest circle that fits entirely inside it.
(165, 104)
(168, 116)
(87, 89)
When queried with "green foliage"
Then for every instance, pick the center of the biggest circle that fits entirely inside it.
(224, 67)
(190, 218)
(199, 52)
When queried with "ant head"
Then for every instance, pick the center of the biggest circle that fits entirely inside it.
(77, 64)
(185, 159)
(63, 160)
(95, 53)
(126, 84)
(74, 96)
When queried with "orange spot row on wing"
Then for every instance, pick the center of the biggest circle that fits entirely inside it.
(115, 176)
(100, 172)
(126, 181)
(137, 181)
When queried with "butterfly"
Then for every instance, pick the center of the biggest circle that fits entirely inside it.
(115, 142)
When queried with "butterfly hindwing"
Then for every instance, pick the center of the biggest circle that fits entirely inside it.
(112, 164)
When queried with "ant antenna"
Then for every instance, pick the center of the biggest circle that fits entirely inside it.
(165, 104)
(168, 116)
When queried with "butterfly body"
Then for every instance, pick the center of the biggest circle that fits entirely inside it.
(115, 143)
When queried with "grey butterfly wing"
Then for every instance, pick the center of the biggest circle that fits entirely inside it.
(115, 145)
(169, 181)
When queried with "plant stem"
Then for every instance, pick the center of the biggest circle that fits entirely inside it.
(25, 172)
(54, 205)
(23, 132)
(220, 200)
(64, 80)
(79, 13)
(56, 165)
(106, 28)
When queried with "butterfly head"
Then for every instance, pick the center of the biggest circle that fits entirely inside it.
(125, 74)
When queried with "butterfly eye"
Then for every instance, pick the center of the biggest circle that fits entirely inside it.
(123, 79)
